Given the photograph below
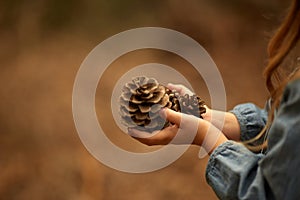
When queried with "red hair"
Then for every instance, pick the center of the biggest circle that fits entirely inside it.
(279, 48)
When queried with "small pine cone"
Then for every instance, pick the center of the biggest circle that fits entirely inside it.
(192, 105)
(142, 99)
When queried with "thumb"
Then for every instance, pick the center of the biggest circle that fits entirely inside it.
(171, 116)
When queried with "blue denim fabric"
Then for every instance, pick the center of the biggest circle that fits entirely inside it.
(234, 172)
(251, 118)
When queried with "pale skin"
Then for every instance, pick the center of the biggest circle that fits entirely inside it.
(210, 132)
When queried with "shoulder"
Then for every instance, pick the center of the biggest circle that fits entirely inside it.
(286, 124)
(290, 102)
(291, 92)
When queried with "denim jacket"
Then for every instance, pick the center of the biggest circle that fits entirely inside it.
(234, 172)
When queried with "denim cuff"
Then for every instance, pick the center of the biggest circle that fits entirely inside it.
(251, 118)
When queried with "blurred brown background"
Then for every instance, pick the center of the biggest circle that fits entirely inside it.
(42, 44)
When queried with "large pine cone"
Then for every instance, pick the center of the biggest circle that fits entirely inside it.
(142, 99)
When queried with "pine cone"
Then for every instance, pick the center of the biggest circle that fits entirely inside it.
(142, 99)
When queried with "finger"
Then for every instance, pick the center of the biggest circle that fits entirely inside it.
(181, 89)
(178, 88)
(146, 141)
(140, 134)
(171, 116)
(145, 137)
(184, 121)
(162, 137)
(172, 86)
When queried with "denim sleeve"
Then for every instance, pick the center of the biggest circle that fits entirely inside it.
(251, 118)
(234, 172)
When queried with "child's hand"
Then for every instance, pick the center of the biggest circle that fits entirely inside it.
(187, 129)
(182, 90)
(184, 126)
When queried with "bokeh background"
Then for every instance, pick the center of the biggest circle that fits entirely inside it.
(43, 43)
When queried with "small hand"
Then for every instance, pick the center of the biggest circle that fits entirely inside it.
(183, 131)
(182, 90)
(162, 137)
(187, 129)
